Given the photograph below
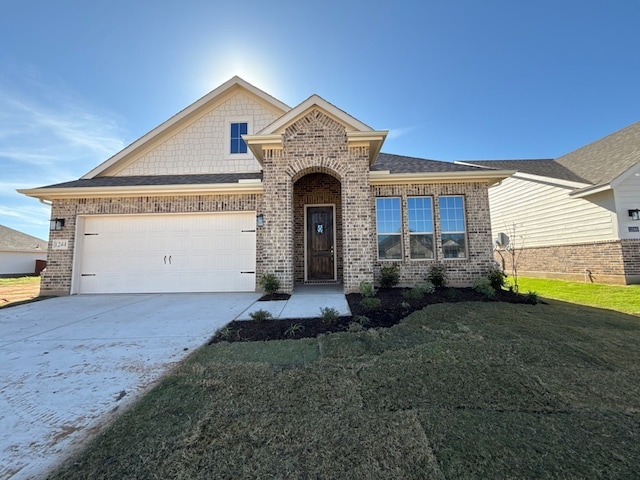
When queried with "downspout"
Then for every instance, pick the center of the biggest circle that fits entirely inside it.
(44, 202)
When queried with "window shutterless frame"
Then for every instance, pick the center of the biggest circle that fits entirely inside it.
(421, 238)
(453, 231)
(389, 228)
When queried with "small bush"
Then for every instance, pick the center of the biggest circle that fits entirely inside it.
(329, 315)
(362, 320)
(483, 285)
(452, 293)
(406, 305)
(532, 297)
(370, 303)
(260, 315)
(497, 279)
(367, 289)
(438, 275)
(293, 329)
(412, 294)
(425, 288)
(390, 276)
(270, 283)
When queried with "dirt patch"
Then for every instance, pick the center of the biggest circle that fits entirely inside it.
(395, 304)
(18, 290)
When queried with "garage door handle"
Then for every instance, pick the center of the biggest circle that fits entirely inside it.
(88, 275)
(169, 259)
(247, 272)
(165, 259)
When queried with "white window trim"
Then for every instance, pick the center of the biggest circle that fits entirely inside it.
(432, 233)
(399, 234)
(465, 232)
(227, 137)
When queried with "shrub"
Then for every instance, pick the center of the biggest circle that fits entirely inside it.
(497, 279)
(438, 275)
(370, 303)
(425, 288)
(329, 315)
(355, 327)
(260, 315)
(532, 297)
(405, 305)
(483, 285)
(362, 320)
(270, 283)
(367, 289)
(412, 294)
(390, 276)
(452, 293)
(293, 329)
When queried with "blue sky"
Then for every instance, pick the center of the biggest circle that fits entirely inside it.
(450, 79)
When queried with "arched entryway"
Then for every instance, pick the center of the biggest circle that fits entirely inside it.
(318, 232)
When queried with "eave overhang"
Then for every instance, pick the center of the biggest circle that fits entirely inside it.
(243, 186)
(490, 177)
(374, 139)
(591, 190)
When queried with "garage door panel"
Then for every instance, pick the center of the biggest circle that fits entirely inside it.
(167, 253)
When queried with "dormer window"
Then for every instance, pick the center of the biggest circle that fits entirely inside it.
(237, 143)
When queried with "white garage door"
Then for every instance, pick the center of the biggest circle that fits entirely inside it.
(167, 253)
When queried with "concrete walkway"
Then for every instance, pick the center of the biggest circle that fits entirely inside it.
(306, 302)
(69, 364)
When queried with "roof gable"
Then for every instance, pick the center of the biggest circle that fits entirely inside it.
(602, 161)
(14, 241)
(358, 133)
(184, 118)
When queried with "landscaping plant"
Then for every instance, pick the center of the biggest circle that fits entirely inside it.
(260, 315)
(438, 275)
(270, 283)
(390, 276)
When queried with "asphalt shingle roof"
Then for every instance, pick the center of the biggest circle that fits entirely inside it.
(149, 180)
(402, 164)
(602, 161)
(543, 167)
(14, 241)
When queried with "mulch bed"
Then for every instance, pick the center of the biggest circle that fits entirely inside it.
(394, 307)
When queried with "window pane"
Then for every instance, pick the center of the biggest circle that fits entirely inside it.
(420, 214)
(454, 245)
(451, 214)
(421, 246)
(237, 143)
(389, 247)
(388, 215)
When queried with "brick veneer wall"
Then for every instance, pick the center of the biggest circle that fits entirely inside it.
(315, 189)
(460, 272)
(615, 262)
(317, 144)
(56, 280)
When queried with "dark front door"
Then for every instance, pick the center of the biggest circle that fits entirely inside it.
(320, 248)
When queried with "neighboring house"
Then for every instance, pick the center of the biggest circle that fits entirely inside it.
(578, 216)
(19, 252)
(238, 185)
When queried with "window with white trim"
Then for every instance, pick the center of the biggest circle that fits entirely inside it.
(389, 228)
(420, 213)
(237, 143)
(452, 226)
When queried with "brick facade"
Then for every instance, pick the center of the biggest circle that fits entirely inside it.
(56, 279)
(615, 262)
(460, 272)
(314, 165)
(317, 144)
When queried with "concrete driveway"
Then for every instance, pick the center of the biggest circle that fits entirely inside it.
(68, 364)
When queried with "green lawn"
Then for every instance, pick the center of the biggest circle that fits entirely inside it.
(469, 390)
(623, 298)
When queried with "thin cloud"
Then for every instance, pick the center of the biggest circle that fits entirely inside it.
(47, 135)
(396, 133)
